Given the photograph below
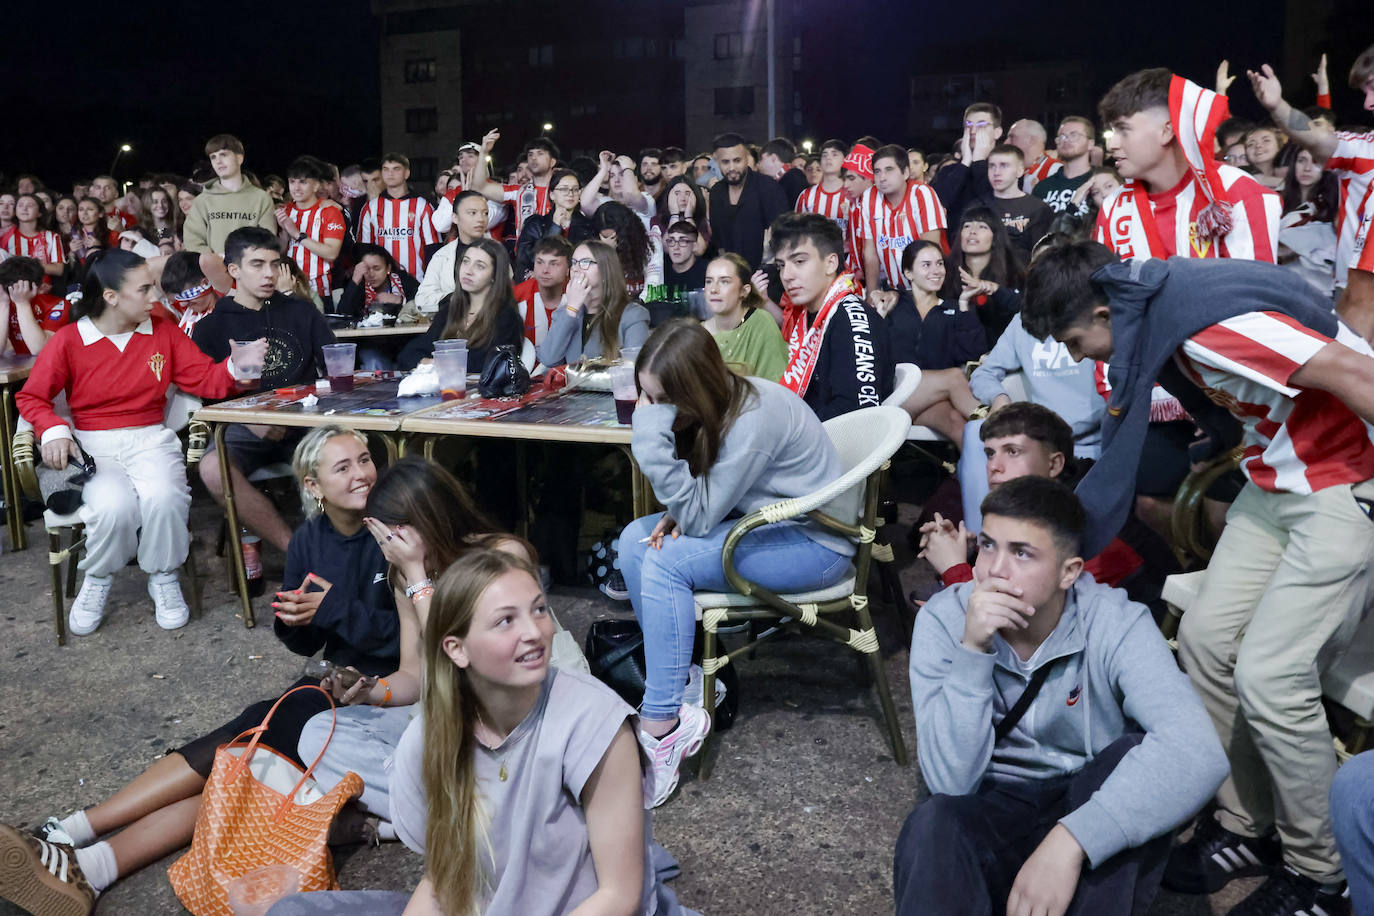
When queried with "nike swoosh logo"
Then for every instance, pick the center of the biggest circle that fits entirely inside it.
(379, 577)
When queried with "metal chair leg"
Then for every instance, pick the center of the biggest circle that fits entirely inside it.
(74, 557)
(875, 662)
(55, 569)
(193, 577)
(709, 644)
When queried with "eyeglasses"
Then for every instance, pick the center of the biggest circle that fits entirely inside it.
(1076, 135)
(564, 189)
(678, 241)
(582, 263)
(1236, 158)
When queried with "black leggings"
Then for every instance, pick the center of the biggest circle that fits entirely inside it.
(282, 735)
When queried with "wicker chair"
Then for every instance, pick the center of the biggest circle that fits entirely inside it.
(70, 527)
(866, 440)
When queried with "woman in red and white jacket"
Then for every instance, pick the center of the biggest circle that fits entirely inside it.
(115, 364)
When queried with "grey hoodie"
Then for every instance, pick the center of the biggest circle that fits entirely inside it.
(1052, 379)
(218, 211)
(1117, 670)
(775, 449)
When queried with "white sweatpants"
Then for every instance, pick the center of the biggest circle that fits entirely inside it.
(138, 501)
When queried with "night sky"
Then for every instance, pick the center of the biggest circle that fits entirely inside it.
(296, 77)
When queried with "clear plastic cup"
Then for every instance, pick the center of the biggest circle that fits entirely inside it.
(624, 391)
(451, 365)
(628, 355)
(456, 344)
(339, 361)
(250, 369)
(255, 892)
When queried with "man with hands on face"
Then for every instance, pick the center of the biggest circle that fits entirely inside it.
(1069, 810)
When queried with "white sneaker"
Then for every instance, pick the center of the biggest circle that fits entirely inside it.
(89, 607)
(695, 692)
(665, 754)
(165, 590)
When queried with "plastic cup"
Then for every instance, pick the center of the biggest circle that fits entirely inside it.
(250, 369)
(628, 355)
(696, 304)
(457, 344)
(339, 362)
(451, 365)
(255, 892)
(624, 391)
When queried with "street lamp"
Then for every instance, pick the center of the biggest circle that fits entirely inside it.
(124, 148)
(547, 127)
(806, 145)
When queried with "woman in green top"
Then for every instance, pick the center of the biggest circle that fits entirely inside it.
(747, 335)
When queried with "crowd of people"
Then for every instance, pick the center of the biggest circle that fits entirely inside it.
(1172, 285)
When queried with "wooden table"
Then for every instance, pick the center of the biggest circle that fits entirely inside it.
(568, 416)
(400, 330)
(13, 370)
(372, 406)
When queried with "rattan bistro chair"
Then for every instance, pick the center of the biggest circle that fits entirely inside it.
(866, 440)
(73, 530)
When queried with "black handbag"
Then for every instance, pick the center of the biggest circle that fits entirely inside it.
(505, 376)
(615, 652)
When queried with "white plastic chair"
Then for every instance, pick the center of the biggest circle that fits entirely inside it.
(866, 440)
(906, 377)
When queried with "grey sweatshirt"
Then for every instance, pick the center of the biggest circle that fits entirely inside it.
(1053, 380)
(1116, 668)
(563, 343)
(775, 449)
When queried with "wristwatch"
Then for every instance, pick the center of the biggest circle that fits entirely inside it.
(300, 238)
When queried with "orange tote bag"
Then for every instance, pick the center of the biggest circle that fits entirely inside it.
(259, 808)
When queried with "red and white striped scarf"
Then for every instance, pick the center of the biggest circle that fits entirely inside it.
(804, 343)
(393, 286)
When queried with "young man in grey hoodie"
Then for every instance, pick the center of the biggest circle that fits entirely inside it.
(1063, 802)
(229, 202)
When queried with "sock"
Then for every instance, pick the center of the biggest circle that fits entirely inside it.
(78, 828)
(98, 865)
(386, 831)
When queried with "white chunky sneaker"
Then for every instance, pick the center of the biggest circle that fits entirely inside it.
(89, 607)
(165, 590)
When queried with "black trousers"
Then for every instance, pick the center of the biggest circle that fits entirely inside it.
(282, 735)
(960, 854)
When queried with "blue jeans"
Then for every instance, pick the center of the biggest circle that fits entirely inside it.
(973, 475)
(779, 557)
(1352, 820)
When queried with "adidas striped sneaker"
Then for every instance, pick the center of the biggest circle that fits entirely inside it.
(1214, 856)
(41, 877)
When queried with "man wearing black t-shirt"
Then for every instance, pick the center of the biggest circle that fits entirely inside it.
(745, 204)
(1026, 218)
(682, 269)
(775, 161)
(1073, 146)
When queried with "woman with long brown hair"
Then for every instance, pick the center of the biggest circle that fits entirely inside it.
(520, 783)
(481, 309)
(597, 318)
(713, 445)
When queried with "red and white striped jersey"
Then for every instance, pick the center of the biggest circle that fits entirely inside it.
(536, 314)
(1353, 163)
(526, 200)
(1135, 224)
(1034, 174)
(1297, 440)
(854, 245)
(322, 222)
(43, 246)
(403, 226)
(830, 204)
(890, 229)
